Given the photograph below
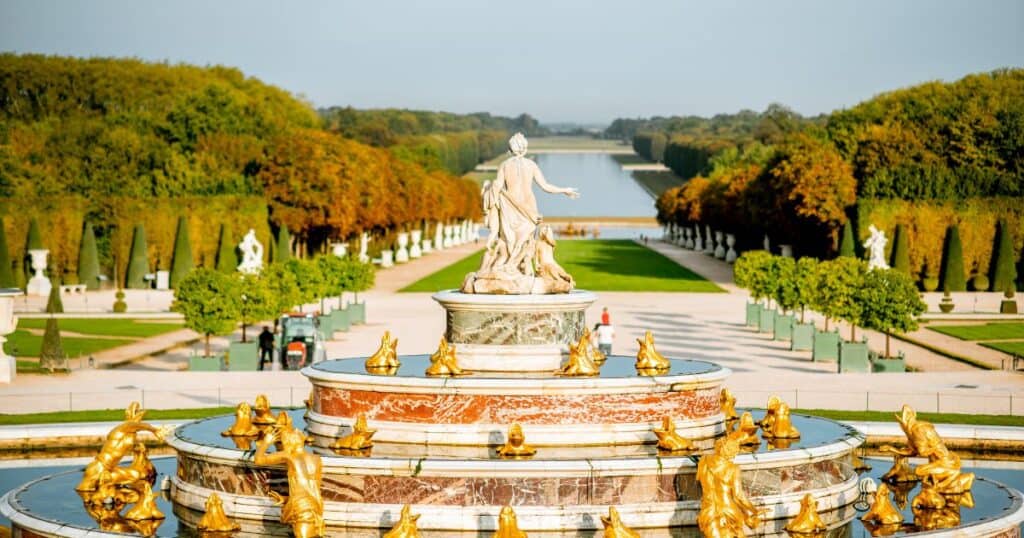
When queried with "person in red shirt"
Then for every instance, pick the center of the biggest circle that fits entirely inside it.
(606, 318)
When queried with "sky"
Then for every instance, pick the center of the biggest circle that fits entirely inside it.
(559, 60)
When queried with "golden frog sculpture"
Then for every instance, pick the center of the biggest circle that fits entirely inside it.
(104, 470)
(900, 472)
(669, 440)
(807, 521)
(648, 359)
(263, 415)
(406, 526)
(386, 356)
(360, 438)
(215, 520)
(728, 404)
(614, 527)
(746, 430)
(725, 510)
(777, 423)
(303, 508)
(515, 445)
(942, 471)
(243, 426)
(508, 525)
(444, 362)
(882, 511)
(581, 358)
(145, 507)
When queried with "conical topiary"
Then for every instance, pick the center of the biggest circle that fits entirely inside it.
(227, 260)
(952, 276)
(6, 273)
(901, 250)
(88, 260)
(52, 356)
(181, 262)
(33, 241)
(54, 304)
(283, 249)
(846, 244)
(138, 260)
(1004, 274)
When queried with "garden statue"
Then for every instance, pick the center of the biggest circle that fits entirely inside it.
(581, 358)
(141, 466)
(648, 360)
(264, 416)
(876, 249)
(145, 507)
(900, 472)
(215, 520)
(776, 423)
(943, 468)
(252, 254)
(669, 440)
(359, 439)
(882, 511)
(508, 525)
(406, 526)
(807, 521)
(614, 527)
(515, 446)
(724, 507)
(511, 216)
(746, 430)
(444, 362)
(104, 469)
(303, 508)
(243, 426)
(386, 356)
(728, 402)
(364, 244)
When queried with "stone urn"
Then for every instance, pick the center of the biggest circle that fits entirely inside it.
(439, 236)
(38, 284)
(786, 251)
(730, 253)
(415, 251)
(698, 242)
(719, 246)
(402, 254)
(8, 365)
(448, 232)
(339, 249)
(387, 258)
(428, 246)
(709, 242)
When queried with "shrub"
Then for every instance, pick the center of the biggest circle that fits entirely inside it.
(227, 259)
(54, 304)
(52, 356)
(900, 250)
(138, 260)
(805, 278)
(33, 241)
(837, 282)
(783, 270)
(952, 275)
(120, 306)
(752, 272)
(88, 260)
(6, 275)
(1003, 272)
(888, 302)
(181, 262)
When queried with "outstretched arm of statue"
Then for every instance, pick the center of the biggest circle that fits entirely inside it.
(261, 457)
(547, 187)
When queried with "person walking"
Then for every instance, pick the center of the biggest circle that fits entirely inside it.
(266, 340)
(605, 337)
(606, 318)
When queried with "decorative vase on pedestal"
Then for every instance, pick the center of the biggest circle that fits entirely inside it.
(719, 246)
(8, 366)
(402, 254)
(730, 254)
(428, 246)
(439, 236)
(415, 251)
(786, 250)
(448, 231)
(387, 258)
(339, 249)
(698, 242)
(709, 242)
(38, 284)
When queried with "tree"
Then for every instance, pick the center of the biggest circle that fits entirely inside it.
(258, 302)
(805, 279)
(52, 356)
(847, 245)
(138, 260)
(784, 271)
(181, 262)
(88, 260)
(283, 286)
(336, 277)
(7, 279)
(33, 241)
(210, 302)
(900, 250)
(837, 281)
(1004, 274)
(752, 271)
(308, 278)
(54, 304)
(283, 248)
(888, 302)
(361, 277)
(227, 260)
(952, 276)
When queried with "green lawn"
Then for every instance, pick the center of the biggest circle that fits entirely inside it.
(1013, 348)
(938, 418)
(134, 328)
(110, 415)
(987, 331)
(23, 344)
(597, 265)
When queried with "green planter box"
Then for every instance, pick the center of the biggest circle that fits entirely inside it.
(753, 314)
(766, 321)
(853, 357)
(199, 363)
(825, 347)
(783, 327)
(895, 364)
(325, 327)
(357, 313)
(340, 320)
(243, 357)
(802, 337)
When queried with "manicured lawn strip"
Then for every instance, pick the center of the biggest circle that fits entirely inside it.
(629, 158)
(988, 331)
(106, 326)
(938, 418)
(599, 265)
(24, 344)
(110, 415)
(1013, 348)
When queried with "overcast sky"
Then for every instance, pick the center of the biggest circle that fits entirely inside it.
(583, 61)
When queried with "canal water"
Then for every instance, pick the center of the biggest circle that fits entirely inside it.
(606, 190)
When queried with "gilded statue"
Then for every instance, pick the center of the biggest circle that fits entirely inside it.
(215, 520)
(359, 438)
(725, 510)
(777, 423)
(614, 527)
(669, 440)
(947, 513)
(728, 404)
(882, 511)
(406, 526)
(581, 358)
(303, 508)
(508, 525)
(107, 516)
(141, 466)
(900, 471)
(263, 415)
(942, 471)
(807, 521)
(516, 258)
(243, 426)
(515, 445)
(308, 402)
(145, 507)
(386, 356)
(444, 362)
(648, 359)
(119, 442)
(929, 498)
(746, 430)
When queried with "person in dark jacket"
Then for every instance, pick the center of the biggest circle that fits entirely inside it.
(266, 346)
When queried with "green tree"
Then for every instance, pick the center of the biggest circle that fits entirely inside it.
(181, 262)
(7, 279)
(786, 293)
(283, 247)
(336, 277)
(888, 302)
(88, 260)
(138, 260)
(258, 302)
(52, 356)
(227, 260)
(54, 304)
(283, 286)
(1004, 274)
(847, 245)
(837, 282)
(752, 271)
(901, 250)
(210, 302)
(805, 279)
(952, 276)
(309, 279)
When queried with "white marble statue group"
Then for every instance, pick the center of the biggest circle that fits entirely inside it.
(519, 255)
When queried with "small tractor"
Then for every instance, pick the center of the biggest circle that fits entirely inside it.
(300, 340)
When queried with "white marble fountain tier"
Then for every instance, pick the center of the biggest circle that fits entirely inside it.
(514, 333)
(616, 408)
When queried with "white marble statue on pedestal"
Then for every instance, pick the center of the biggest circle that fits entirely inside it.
(252, 254)
(875, 245)
(364, 244)
(439, 236)
(720, 245)
(415, 251)
(387, 258)
(766, 245)
(339, 249)
(448, 231)
(428, 246)
(730, 253)
(38, 284)
(698, 242)
(709, 242)
(402, 254)
(8, 365)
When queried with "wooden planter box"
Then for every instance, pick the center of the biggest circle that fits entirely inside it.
(753, 314)
(243, 357)
(853, 357)
(826, 346)
(783, 327)
(802, 338)
(766, 321)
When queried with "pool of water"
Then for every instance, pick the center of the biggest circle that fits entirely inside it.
(606, 190)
